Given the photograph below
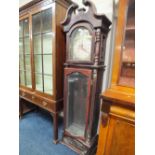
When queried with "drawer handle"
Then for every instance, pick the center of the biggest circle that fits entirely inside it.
(44, 103)
(33, 97)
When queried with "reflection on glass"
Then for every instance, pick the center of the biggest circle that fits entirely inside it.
(80, 46)
(20, 46)
(39, 82)
(27, 45)
(76, 103)
(47, 20)
(127, 73)
(36, 23)
(47, 43)
(38, 63)
(28, 79)
(47, 64)
(42, 48)
(21, 62)
(48, 87)
(26, 27)
(37, 44)
(24, 53)
(22, 78)
(27, 62)
(20, 29)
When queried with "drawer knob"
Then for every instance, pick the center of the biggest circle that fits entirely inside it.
(33, 97)
(44, 103)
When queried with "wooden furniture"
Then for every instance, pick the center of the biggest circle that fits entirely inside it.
(117, 126)
(41, 55)
(86, 34)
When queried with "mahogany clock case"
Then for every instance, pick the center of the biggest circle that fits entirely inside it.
(86, 34)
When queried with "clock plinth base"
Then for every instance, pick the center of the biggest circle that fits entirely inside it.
(81, 147)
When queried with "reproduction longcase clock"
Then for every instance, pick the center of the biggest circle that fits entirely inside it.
(86, 34)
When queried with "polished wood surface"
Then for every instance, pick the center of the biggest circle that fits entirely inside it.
(117, 120)
(52, 103)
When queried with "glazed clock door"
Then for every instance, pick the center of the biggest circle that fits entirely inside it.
(77, 98)
(24, 54)
(42, 49)
(80, 47)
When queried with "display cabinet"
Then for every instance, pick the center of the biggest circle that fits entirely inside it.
(86, 34)
(41, 55)
(117, 125)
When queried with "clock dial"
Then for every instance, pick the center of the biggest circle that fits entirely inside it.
(80, 46)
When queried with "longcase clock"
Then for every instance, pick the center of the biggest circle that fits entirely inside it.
(86, 34)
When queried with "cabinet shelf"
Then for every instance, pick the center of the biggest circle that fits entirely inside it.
(44, 33)
(43, 53)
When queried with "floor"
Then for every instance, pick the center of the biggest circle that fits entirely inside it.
(36, 134)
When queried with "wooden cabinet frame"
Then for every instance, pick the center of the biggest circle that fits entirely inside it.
(52, 103)
(117, 123)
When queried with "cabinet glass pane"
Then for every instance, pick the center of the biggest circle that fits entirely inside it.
(28, 79)
(42, 48)
(22, 77)
(38, 63)
(26, 27)
(27, 62)
(36, 23)
(47, 43)
(20, 46)
(20, 29)
(21, 62)
(76, 103)
(48, 87)
(47, 64)
(27, 45)
(80, 46)
(127, 73)
(47, 20)
(37, 44)
(39, 82)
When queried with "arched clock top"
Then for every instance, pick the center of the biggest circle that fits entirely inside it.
(77, 15)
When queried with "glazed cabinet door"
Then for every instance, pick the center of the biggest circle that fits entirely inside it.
(24, 53)
(127, 66)
(77, 98)
(42, 35)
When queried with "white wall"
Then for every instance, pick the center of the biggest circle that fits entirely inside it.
(23, 2)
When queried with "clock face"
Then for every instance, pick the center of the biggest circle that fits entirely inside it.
(80, 45)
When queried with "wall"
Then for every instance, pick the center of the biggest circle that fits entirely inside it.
(108, 7)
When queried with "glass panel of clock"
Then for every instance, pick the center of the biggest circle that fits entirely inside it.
(80, 45)
(76, 103)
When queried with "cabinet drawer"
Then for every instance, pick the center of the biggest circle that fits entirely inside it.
(43, 103)
(26, 95)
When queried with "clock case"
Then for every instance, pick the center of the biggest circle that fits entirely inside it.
(98, 26)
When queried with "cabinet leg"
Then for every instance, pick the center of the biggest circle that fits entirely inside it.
(55, 128)
(20, 109)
